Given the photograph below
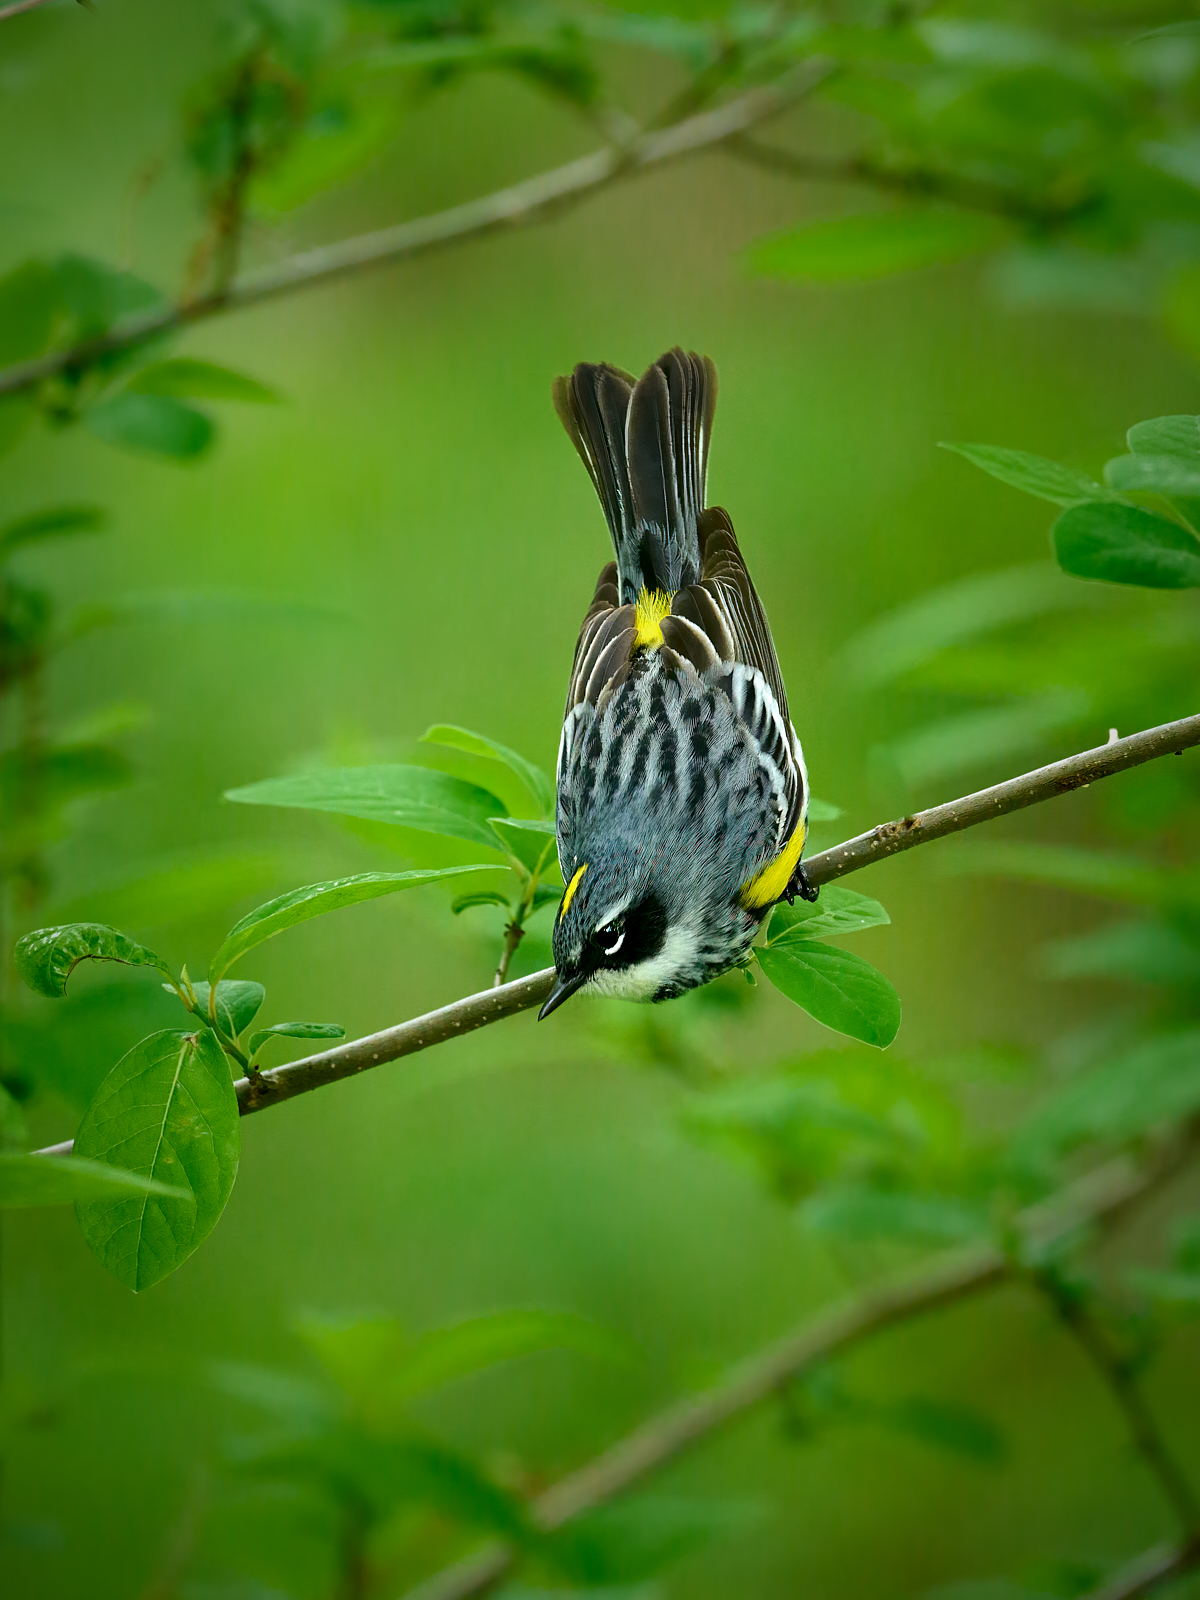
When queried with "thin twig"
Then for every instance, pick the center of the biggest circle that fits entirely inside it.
(534, 200)
(480, 1010)
(1148, 1572)
(16, 9)
(1103, 1197)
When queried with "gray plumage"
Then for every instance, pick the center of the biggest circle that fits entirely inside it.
(680, 778)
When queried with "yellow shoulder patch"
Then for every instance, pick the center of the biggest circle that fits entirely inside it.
(767, 886)
(569, 892)
(652, 606)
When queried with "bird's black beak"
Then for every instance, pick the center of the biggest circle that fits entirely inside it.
(564, 988)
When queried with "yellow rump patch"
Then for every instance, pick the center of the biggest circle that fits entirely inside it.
(767, 886)
(652, 606)
(569, 893)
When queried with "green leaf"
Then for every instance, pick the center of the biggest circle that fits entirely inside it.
(640, 1535)
(30, 299)
(1125, 544)
(540, 787)
(546, 894)
(1167, 436)
(156, 424)
(35, 1180)
(1157, 1083)
(480, 897)
(1138, 952)
(52, 523)
(1166, 475)
(1173, 1288)
(822, 811)
(411, 797)
(857, 1211)
(533, 843)
(296, 1030)
(95, 295)
(873, 246)
(1034, 474)
(238, 1002)
(837, 911)
(185, 378)
(315, 900)
(959, 743)
(166, 1111)
(959, 1429)
(840, 990)
(47, 957)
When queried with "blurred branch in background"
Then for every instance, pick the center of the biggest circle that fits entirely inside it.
(32, 5)
(1100, 1200)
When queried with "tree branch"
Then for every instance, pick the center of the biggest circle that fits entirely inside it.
(481, 1010)
(1103, 1197)
(19, 6)
(1149, 1571)
(532, 201)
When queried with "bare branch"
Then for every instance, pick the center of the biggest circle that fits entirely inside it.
(1103, 1197)
(480, 1010)
(1149, 1571)
(19, 6)
(534, 200)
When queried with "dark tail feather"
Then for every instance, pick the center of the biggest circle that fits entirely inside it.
(645, 445)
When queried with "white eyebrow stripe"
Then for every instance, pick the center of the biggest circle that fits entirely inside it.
(618, 910)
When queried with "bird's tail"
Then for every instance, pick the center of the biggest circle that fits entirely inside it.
(645, 445)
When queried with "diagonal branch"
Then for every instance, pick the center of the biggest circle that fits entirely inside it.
(1149, 1571)
(1102, 1198)
(19, 6)
(493, 1005)
(533, 200)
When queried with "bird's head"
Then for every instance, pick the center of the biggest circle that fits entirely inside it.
(613, 934)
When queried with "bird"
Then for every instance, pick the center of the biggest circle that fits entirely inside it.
(681, 789)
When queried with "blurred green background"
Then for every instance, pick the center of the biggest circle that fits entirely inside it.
(415, 490)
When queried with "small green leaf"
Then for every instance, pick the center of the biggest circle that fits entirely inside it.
(315, 900)
(1166, 475)
(184, 378)
(1034, 474)
(1123, 544)
(411, 797)
(238, 1002)
(480, 897)
(47, 957)
(837, 911)
(840, 990)
(1167, 436)
(296, 1030)
(36, 1180)
(1173, 1288)
(959, 1429)
(546, 894)
(52, 523)
(857, 1211)
(1137, 952)
(639, 1536)
(533, 843)
(156, 424)
(822, 811)
(540, 787)
(873, 246)
(166, 1111)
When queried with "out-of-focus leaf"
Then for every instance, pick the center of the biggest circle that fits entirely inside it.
(822, 811)
(841, 990)
(95, 295)
(532, 842)
(1173, 1288)
(35, 785)
(1167, 436)
(875, 245)
(1140, 952)
(158, 424)
(412, 797)
(959, 743)
(1159, 1082)
(166, 1111)
(47, 957)
(1166, 475)
(1124, 544)
(640, 1535)
(185, 378)
(540, 787)
(1108, 876)
(914, 633)
(1062, 277)
(382, 1368)
(33, 1180)
(30, 298)
(858, 1212)
(337, 140)
(837, 911)
(315, 900)
(1049, 480)
(296, 1030)
(959, 1429)
(480, 897)
(239, 1001)
(51, 523)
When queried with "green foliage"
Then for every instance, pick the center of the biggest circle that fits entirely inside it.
(167, 1112)
(156, 423)
(235, 1005)
(837, 988)
(47, 958)
(35, 1180)
(538, 785)
(873, 246)
(1046, 479)
(186, 378)
(639, 1536)
(293, 1030)
(1125, 544)
(837, 911)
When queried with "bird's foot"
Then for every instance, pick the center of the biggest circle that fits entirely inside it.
(798, 884)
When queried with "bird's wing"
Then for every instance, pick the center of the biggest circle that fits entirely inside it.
(605, 647)
(720, 626)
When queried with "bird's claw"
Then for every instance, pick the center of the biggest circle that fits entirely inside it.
(798, 884)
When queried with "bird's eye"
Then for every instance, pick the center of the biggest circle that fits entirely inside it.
(611, 937)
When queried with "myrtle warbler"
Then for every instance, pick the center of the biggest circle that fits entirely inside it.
(682, 792)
